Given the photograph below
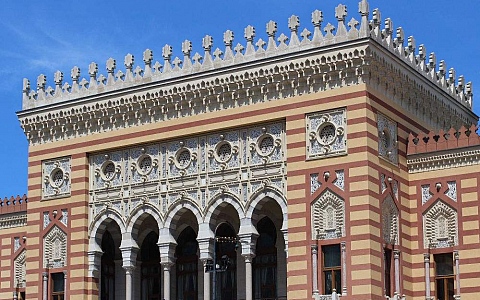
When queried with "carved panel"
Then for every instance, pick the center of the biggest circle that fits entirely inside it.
(20, 270)
(328, 216)
(240, 162)
(387, 139)
(440, 226)
(390, 219)
(326, 134)
(56, 178)
(55, 248)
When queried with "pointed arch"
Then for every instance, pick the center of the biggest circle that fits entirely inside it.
(440, 226)
(20, 270)
(140, 214)
(221, 201)
(328, 216)
(390, 219)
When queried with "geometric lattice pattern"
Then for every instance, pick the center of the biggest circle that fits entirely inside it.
(55, 248)
(328, 216)
(440, 226)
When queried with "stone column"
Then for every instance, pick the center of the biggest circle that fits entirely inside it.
(456, 259)
(315, 269)
(128, 282)
(206, 280)
(426, 259)
(65, 285)
(343, 246)
(166, 279)
(396, 257)
(94, 261)
(15, 295)
(129, 251)
(248, 276)
(45, 285)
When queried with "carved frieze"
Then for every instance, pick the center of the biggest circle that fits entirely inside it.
(55, 248)
(198, 169)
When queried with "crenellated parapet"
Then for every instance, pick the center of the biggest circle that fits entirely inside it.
(249, 50)
(443, 140)
(340, 53)
(13, 204)
(443, 149)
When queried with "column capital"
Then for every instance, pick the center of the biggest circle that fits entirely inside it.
(396, 253)
(167, 265)
(129, 255)
(248, 257)
(314, 249)
(45, 275)
(426, 257)
(456, 256)
(128, 269)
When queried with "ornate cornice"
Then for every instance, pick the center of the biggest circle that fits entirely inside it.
(13, 220)
(440, 160)
(248, 74)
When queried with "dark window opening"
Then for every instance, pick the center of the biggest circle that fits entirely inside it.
(265, 261)
(187, 265)
(226, 281)
(444, 277)
(108, 268)
(387, 271)
(332, 270)
(57, 286)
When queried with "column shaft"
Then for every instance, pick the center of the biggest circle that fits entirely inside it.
(206, 281)
(426, 258)
(45, 286)
(315, 269)
(166, 280)
(396, 257)
(248, 278)
(128, 282)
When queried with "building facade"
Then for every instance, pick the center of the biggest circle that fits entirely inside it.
(305, 166)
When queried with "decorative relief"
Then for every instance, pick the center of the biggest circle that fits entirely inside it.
(387, 139)
(340, 180)
(13, 220)
(314, 183)
(64, 217)
(440, 226)
(20, 270)
(328, 216)
(55, 248)
(452, 190)
(326, 134)
(16, 244)
(383, 183)
(239, 162)
(56, 178)
(46, 219)
(390, 219)
(426, 194)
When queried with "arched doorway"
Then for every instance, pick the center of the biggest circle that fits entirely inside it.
(226, 286)
(150, 268)
(108, 267)
(187, 265)
(265, 261)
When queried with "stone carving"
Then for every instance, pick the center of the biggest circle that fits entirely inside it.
(16, 244)
(328, 216)
(340, 181)
(387, 139)
(56, 178)
(46, 219)
(240, 163)
(426, 194)
(55, 248)
(390, 219)
(440, 226)
(64, 217)
(20, 270)
(448, 99)
(452, 190)
(326, 134)
(314, 183)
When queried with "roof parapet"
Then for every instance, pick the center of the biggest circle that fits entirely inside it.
(452, 139)
(13, 204)
(117, 79)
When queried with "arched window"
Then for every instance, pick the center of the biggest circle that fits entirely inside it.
(108, 267)
(187, 265)
(226, 288)
(150, 257)
(265, 261)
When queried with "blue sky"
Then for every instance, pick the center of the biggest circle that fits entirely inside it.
(57, 35)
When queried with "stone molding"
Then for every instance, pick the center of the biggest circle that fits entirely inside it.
(367, 54)
(444, 160)
(13, 220)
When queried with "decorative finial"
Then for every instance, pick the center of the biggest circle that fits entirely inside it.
(129, 61)
(111, 65)
(293, 23)
(41, 82)
(186, 48)
(340, 12)
(75, 73)
(58, 78)
(148, 57)
(317, 18)
(207, 43)
(93, 69)
(249, 33)
(167, 52)
(271, 28)
(228, 38)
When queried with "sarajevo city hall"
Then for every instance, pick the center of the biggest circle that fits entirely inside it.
(335, 161)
